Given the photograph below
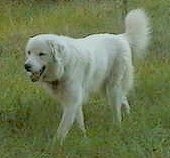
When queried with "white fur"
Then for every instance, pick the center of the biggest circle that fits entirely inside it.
(83, 66)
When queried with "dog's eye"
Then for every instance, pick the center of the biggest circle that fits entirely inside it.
(29, 52)
(41, 54)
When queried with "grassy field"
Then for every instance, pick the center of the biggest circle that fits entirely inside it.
(29, 117)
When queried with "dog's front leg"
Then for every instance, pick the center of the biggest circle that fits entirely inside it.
(70, 109)
(80, 120)
(67, 120)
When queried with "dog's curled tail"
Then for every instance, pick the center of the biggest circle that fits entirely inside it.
(137, 31)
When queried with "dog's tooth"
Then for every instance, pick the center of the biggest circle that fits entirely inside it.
(29, 73)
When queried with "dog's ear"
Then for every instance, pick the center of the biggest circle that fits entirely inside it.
(57, 52)
(54, 46)
(56, 49)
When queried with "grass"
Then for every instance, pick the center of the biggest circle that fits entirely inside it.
(29, 117)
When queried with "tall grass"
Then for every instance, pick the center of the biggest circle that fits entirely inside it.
(29, 117)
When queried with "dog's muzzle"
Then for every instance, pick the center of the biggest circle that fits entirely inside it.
(35, 76)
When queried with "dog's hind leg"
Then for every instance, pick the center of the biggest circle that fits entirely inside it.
(127, 83)
(118, 102)
(118, 87)
(115, 95)
(125, 105)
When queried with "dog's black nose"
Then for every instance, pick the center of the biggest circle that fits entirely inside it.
(27, 67)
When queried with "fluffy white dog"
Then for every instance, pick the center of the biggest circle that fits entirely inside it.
(71, 69)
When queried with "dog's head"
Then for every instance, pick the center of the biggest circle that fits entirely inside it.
(43, 58)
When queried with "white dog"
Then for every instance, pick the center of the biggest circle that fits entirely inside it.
(71, 69)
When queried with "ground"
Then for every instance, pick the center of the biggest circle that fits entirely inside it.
(29, 116)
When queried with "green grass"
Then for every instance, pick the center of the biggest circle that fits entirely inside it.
(29, 117)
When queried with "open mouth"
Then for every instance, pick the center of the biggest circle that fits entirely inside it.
(42, 70)
(35, 76)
